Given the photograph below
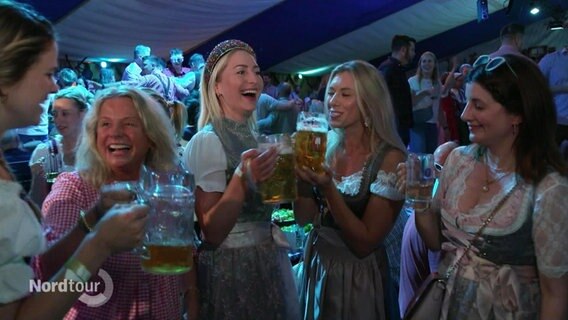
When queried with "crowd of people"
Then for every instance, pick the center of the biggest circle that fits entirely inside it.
(495, 125)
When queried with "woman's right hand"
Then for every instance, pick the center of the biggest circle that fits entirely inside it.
(112, 194)
(122, 227)
(257, 165)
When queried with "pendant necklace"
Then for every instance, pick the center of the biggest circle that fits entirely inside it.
(488, 181)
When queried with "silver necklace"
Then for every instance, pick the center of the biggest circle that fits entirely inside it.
(488, 181)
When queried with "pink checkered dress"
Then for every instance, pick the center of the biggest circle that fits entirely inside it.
(137, 294)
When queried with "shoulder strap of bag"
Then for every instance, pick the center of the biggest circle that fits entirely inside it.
(452, 268)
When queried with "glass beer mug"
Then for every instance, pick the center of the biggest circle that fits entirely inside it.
(281, 186)
(53, 162)
(169, 239)
(311, 140)
(420, 178)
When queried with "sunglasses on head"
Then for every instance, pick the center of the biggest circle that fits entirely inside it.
(492, 63)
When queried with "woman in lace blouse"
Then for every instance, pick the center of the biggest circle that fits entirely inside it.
(518, 268)
(354, 203)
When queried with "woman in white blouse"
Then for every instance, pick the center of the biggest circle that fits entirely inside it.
(244, 271)
(68, 109)
(427, 89)
(28, 60)
(354, 203)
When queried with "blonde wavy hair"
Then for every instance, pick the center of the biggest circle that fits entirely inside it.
(162, 154)
(374, 104)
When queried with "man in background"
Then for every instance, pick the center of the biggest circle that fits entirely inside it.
(511, 37)
(175, 67)
(134, 70)
(196, 64)
(554, 66)
(394, 70)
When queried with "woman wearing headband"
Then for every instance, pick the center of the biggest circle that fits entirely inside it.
(244, 271)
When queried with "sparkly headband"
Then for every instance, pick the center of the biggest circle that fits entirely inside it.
(222, 49)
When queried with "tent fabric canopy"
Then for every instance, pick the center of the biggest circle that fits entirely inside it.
(289, 36)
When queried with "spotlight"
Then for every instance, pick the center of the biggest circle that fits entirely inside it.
(300, 76)
(104, 64)
(555, 25)
(535, 10)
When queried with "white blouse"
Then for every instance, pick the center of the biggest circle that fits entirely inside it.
(20, 236)
(205, 158)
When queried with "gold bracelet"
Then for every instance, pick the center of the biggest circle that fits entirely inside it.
(83, 222)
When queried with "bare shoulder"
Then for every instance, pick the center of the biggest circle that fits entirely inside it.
(391, 160)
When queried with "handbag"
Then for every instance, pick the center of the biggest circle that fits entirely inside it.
(428, 300)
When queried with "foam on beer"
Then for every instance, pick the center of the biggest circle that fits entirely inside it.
(312, 124)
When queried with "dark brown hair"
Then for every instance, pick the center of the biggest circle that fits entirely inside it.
(526, 93)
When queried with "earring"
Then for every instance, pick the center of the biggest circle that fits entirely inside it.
(366, 122)
(515, 129)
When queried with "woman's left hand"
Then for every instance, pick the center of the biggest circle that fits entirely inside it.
(321, 180)
(259, 165)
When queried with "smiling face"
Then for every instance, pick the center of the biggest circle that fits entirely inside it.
(488, 121)
(342, 102)
(176, 59)
(238, 86)
(67, 117)
(24, 97)
(427, 63)
(121, 139)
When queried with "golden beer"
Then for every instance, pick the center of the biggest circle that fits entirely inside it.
(166, 259)
(281, 187)
(50, 177)
(419, 195)
(310, 147)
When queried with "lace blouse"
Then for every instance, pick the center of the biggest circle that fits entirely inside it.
(545, 204)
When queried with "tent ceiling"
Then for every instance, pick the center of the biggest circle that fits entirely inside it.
(288, 35)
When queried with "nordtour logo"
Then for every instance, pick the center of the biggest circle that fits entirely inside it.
(90, 297)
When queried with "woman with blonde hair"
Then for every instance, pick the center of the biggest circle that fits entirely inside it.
(28, 60)
(68, 108)
(124, 130)
(354, 203)
(427, 89)
(244, 269)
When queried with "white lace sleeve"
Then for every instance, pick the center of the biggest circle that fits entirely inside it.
(205, 158)
(385, 186)
(550, 224)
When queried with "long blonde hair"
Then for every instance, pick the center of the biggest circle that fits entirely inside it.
(162, 154)
(374, 104)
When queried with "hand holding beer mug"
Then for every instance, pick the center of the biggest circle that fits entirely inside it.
(420, 178)
(281, 186)
(53, 162)
(169, 240)
(311, 140)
